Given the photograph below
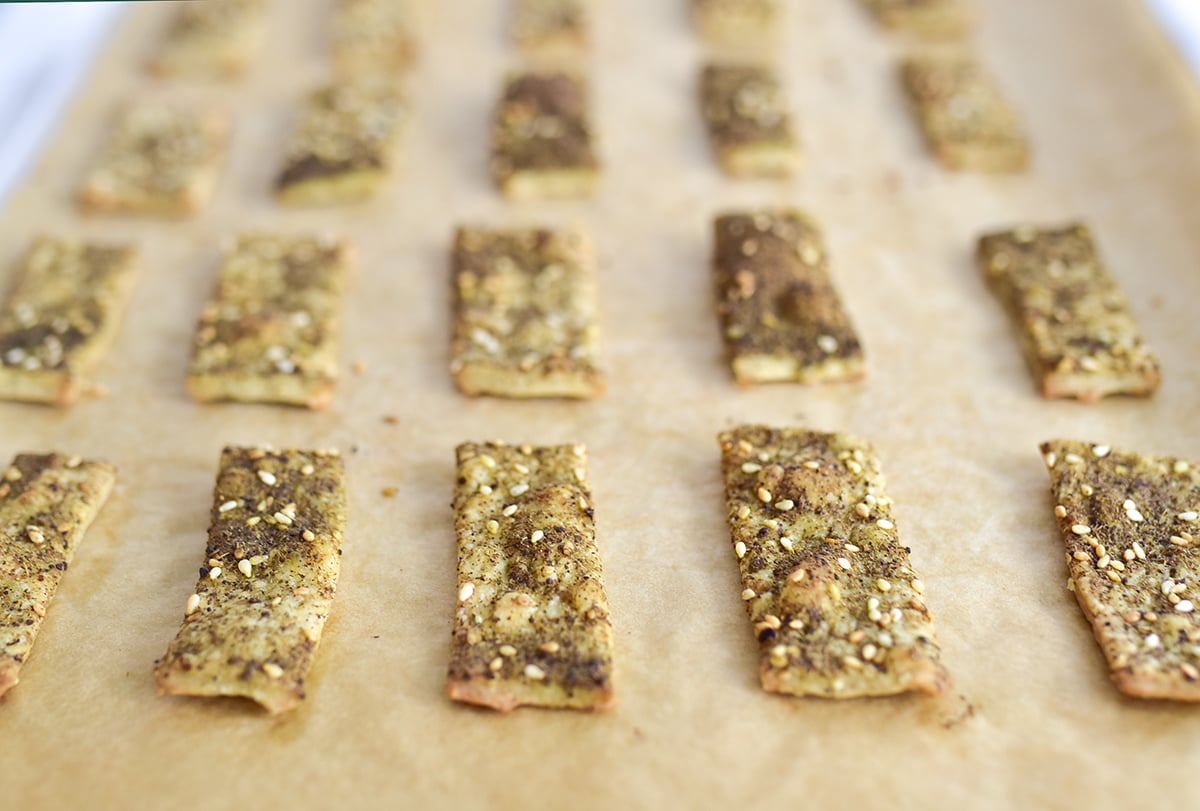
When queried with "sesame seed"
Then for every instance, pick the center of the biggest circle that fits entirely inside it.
(1073, 459)
(1189, 515)
(751, 467)
(1081, 529)
(534, 672)
(268, 478)
(12, 474)
(1113, 576)
(511, 509)
(307, 470)
(253, 520)
(844, 563)
(1190, 671)
(812, 464)
(883, 523)
(227, 506)
(537, 535)
(508, 651)
(918, 587)
(1152, 641)
(308, 535)
(1103, 562)
(487, 461)
(1080, 555)
(214, 572)
(743, 512)
(785, 505)
(786, 543)
(851, 548)
(486, 489)
(1181, 467)
(779, 655)
(1051, 459)
(465, 592)
(883, 585)
(193, 603)
(852, 662)
(493, 526)
(1184, 607)
(1179, 540)
(1135, 516)
(583, 503)
(1139, 551)
(797, 575)
(749, 594)
(1129, 555)
(869, 651)
(863, 510)
(827, 344)
(796, 625)
(1101, 450)
(764, 495)
(495, 664)
(550, 647)
(272, 670)
(854, 467)
(74, 462)
(773, 622)
(35, 535)
(835, 591)
(1167, 586)
(213, 562)
(1086, 489)
(245, 568)
(1060, 511)
(518, 489)
(739, 549)
(38, 609)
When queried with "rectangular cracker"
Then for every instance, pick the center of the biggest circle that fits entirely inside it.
(550, 24)
(532, 625)
(158, 161)
(377, 37)
(47, 503)
(61, 315)
(748, 121)
(967, 121)
(270, 570)
(341, 151)
(270, 332)
(214, 38)
(738, 22)
(930, 19)
(1131, 525)
(1079, 338)
(835, 603)
(525, 314)
(780, 314)
(542, 138)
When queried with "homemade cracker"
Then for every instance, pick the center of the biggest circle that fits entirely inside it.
(270, 332)
(550, 24)
(1131, 525)
(781, 316)
(967, 122)
(931, 19)
(377, 37)
(748, 121)
(525, 314)
(158, 161)
(214, 38)
(267, 582)
(342, 149)
(531, 625)
(836, 606)
(1079, 337)
(47, 503)
(542, 139)
(61, 315)
(738, 22)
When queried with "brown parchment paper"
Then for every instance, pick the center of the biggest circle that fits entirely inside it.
(1032, 721)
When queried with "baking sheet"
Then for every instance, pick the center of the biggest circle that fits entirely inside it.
(1032, 720)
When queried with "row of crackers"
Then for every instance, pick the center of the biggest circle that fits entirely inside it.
(836, 606)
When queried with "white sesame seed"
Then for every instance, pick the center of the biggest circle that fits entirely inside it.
(1073, 458)
(785, 505)
(1103, 562)
(282, 517)
(918, 586)
(511, 509)
(827, 344)
(1086, 489)
(1190, 671)
(214, 572)
(1139, 551)
(272, 670)
(35, 535)
(309, 535)
(764, 495)
(486, 489)
(268, 478)
(518, 489)
(465, 592)
(739, 549)
(508, 651)
(537, 535)
(1185, 607)
(1168, 586)
(812, 464)
(1188, 515)
(869, 651)
(193, 603)
(1152, 641)
(1181, 467)
(493, 526)
(487, 461)
(1101, 450)
(307, 470)
(851, 548)
(227, 506)
(1081, 529)
(883, 523)
(751, 467)
(1135, 516)
(1060, 511)
(534, 672)
(844, 563)
(1128, 505)
(245, 568)
(852, 662)
(749, 594)
(1051, 459)
(786, 543)
(883, 585)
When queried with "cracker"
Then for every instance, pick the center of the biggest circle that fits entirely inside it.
(214, 38)
(525, 314)
(377, 37)
(47, 503)
(738, 22)
(1131, 525)
(781, 316)
(532, 625)
(342, 149)
(1079, 337)
(542, 139)
(270, 570)
(550, 24)
(967, 121)
(60, 317)
(158, 161)
(930, 19)
(270, 332)
(748, 121)
(835, 603)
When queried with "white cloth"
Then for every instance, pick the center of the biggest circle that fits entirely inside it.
(47, 48)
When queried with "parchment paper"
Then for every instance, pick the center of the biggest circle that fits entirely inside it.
(1033, 720)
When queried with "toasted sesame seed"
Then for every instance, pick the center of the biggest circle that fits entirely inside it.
(1113, 576)
(852, 662)
(534, 672)
(1101, 450)
(1080, 555)
(862, 510)
(1060, 511)
(550, 647)
(35, 535)
(1179, 540)
(214, 572)
(749, 594)
(245, 568)
(302, 591)
(844, 563)
(493, 526)
(12, 474)
(773, 622)
(1081, 529)
(739, 549)
(583, 503)
(796, 625)
(1189, 671)
(495, 664)
(308, 535)
(883, 585)
(537, 535)
(1132, 617)
(508, 651)
(1152, 641)
(519, 489)
(834, 590)
(1103, 562)
(883, 523)
(1116, 564)
(797, 575)
(511, 509)
(812, 464)
(213, 562)
(38, 609)
(193, 603)
(1129, 555)
(465, 592)
(272, 670)
(869, 651)
(1184, 607)
(764, 495)
(253, 520)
